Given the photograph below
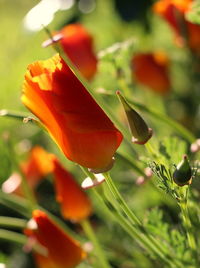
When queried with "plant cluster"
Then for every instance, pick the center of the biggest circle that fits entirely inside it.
(104, 171)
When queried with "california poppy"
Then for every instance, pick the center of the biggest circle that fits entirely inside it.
(174, 12)
(77, 43)
(75, 205)
(151, 70)
(75, 121)
(62, 251)
(36, 167)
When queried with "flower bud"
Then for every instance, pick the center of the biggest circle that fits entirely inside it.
(183, 172)
(139, 129)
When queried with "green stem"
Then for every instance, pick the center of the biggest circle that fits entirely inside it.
(120, 200)
(103, 263)
(16, 203)
(14, 115)
(12, 236)
(152, 243)
(20, 239)
(111, 209)
(133, 231)
(186, 218)
(106, 205)
(12, 222)
(146, 241)
(151, 150)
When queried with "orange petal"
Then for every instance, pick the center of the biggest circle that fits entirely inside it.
(62, 250)
(37, 166)
(78, 45)
(75, 205)
(150, 69)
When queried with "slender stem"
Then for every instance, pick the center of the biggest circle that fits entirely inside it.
(15, 115)
(120, 200)
(12, 236)
(150, 149)
(16, 203)
(111, 210)
(186, 218)
(20, 239)
(153, 153)
(152, 242)
(145, 240)
(136, 234)
(12, 222)
(103, 263)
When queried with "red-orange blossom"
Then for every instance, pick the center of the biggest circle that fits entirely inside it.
(72, 117)
(62, 251)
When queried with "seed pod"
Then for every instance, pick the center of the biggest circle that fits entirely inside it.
(183, 172)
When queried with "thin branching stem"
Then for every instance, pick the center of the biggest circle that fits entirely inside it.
(153, 244)
(186, 218)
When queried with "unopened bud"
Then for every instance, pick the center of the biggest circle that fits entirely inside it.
(183, 172)
(139, 129)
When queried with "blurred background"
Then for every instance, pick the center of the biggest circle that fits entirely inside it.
(126, 28)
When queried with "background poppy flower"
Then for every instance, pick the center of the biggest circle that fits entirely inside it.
(62, 250)
(174, 12)
(36, 167)
(77, 43)
(151, 70)
(75, 121)
(75, 205)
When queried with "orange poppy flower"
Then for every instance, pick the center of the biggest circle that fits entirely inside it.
(194, 37)
(174, 11)
(38, 165)
(75, 205)
(75, 121)
(77, 43)
(62, 251)
(151, 70)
